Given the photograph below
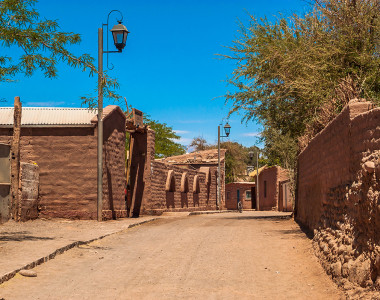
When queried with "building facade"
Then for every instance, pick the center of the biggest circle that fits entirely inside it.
(63, 143)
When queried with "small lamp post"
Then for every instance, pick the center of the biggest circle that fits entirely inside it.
(250, 167)
(120, 34)
(227, 129)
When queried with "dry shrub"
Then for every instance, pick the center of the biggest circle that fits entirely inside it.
(346, 91)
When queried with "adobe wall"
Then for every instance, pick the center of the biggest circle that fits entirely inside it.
(28, 192)
(272, 176)
(156, 197)
(67, 161)
(231, 195)
(114, 166)
(214, 181)
(159, 199)
(338, 196)
(328, 162)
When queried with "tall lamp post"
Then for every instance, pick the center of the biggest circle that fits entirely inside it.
(227, 129)
(119, 33)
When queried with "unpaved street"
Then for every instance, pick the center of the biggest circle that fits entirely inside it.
(217, 256)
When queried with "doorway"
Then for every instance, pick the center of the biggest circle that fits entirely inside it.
(5, 182)
(253, 197)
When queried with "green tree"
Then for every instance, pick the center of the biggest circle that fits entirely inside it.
(43, 46)
(199, 144)
(235, 160)
(295, 74)
(165, 139)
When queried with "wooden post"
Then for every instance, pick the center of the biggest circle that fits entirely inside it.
(15, 163)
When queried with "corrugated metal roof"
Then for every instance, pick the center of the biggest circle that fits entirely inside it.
(49, 116)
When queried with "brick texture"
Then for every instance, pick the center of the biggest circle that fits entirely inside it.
(157, 199)
(67, 160)
(231, 195)
(338, 195)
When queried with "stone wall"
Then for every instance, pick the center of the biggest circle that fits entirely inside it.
(338, 195)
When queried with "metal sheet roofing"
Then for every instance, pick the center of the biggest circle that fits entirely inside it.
(49, 116)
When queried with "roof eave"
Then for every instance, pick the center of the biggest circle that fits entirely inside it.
(51, 126)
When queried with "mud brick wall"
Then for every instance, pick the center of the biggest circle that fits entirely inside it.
(326, 163)
(67, 160)
(114, 166)
(29, 183)
(272, 176)
(338, 197)
(231, 195)
(156, 199)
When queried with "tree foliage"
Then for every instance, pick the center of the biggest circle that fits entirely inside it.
(235, 160)
(199, 144)
(289, 70)
(43, 46)
(165, 139)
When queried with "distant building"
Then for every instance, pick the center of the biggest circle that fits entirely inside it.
(204, 161)
(274, 191)
(243, 192)
(63, 143)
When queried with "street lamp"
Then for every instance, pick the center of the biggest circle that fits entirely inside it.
(227, 129)
(120, 34)
(250, 168)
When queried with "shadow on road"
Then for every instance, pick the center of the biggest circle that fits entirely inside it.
(273, 218)
(20, 236)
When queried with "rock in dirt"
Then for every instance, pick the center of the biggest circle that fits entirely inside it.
(336, 269)
(369, 166)
(28, 273)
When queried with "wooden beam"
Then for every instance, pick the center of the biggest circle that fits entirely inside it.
(15, 163)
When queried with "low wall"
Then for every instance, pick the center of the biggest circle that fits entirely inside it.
(159, 199)
(338, 195)
(170, 187)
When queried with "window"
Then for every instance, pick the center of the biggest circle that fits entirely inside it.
(247, 195)
(228, 195)
(265, 188)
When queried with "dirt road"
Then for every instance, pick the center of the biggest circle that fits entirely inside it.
(219, 256)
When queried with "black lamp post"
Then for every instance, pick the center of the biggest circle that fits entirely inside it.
(227, 129)
(120, 34)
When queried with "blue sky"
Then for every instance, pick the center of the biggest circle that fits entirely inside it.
(168, 69)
